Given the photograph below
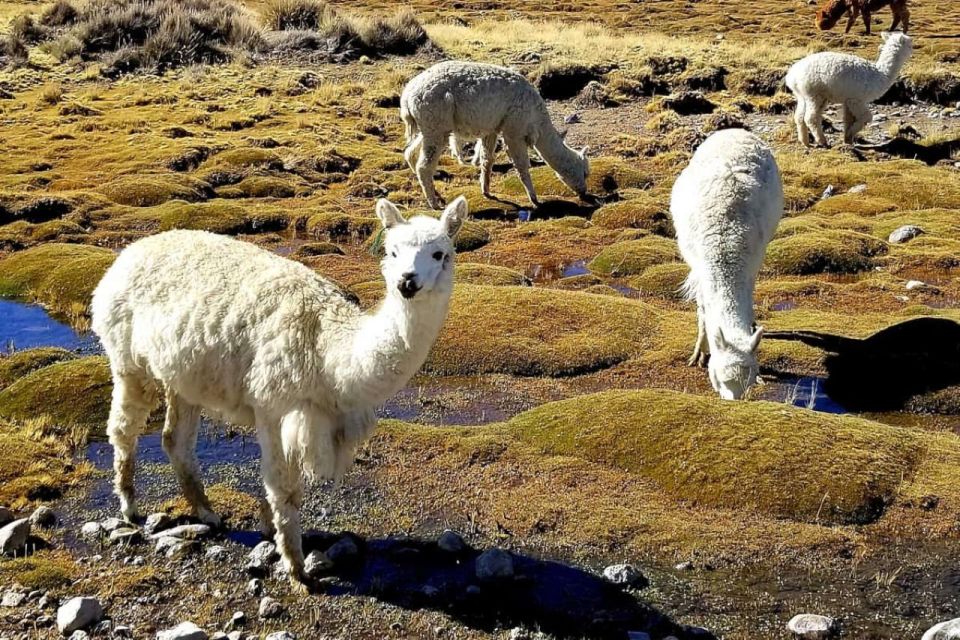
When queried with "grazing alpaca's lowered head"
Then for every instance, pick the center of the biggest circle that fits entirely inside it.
(830, 13)
(221, 325)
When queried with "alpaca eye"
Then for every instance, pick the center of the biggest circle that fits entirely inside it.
(438, 255)
(393, 254)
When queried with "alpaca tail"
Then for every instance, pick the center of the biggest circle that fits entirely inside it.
(411, 128)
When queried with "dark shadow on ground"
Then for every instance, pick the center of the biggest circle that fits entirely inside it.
(883, 371)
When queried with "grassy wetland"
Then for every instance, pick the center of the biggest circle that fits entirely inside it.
(555, 417)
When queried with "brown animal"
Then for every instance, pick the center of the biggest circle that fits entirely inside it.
(830, 13)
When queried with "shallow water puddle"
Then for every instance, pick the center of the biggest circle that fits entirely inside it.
(25, 326)
(548, 272)
(806, 392)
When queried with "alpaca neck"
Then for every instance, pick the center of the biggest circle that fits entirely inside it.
(890, 62)
(554, 150)
(388, 346)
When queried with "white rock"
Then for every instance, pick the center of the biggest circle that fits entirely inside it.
(113, 523)
(255, 587)
(238, 620)
(181, 549)
(270, 608)
(451, 542)
(949, 630)
(44, 517)
(343, 549)
(14, 536)
(829, 191)
(216, 552)
(122, 631)
(857, 188)
(904, 234)
(914, 285)
(183, 631)
(281, 635)
(494, 563)
(13, 599)
(625, 574)
(78, 613)
(184, 532)
(164, 544)
(811, 626)
(157, 522)
(316, 563)
(127, 535)
(79, 635)
(91, 531)
(264, 554)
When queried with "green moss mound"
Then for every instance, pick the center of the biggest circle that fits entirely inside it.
(220, 217)
(311, 249)
(662, 280)
(642, 212)
(531, 331)
(20, 363)
(266, 187)
(340, 225)
(149, 191)
(824, 251)
(759, 456)
(634, 256)
(61, 276)
(474, 273)
(65, 394)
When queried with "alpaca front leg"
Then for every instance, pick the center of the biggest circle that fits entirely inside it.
(866, 20)
(486, 151)
(283, 483)
(133, 400)
(905, 18)
(520, 157)
(860, 117)
(852, 14)
(701, 347)
(430, 150)
(180, 444)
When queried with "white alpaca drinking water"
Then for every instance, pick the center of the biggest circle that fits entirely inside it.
(218, 324)
(726, 206)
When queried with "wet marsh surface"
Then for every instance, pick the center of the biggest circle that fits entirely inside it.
(834, 489)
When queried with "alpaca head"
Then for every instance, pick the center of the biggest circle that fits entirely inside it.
(733, 366)
(418, 253)
(829, 14)
(575, 174)
(896, 41)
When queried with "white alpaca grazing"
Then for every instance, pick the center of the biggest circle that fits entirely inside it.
(218, 324)
(839, 78)
(455, 101)
(725, 207)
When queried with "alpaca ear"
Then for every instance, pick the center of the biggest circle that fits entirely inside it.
(884, 35)
(388, 213)
(453, 216)
(721, 341)
(755, 339)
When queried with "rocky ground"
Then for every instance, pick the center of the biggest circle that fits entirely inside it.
(556, 470)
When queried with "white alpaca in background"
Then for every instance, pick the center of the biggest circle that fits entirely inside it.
(839, 78)
(455, 101)
(726, 206)
(221, 325)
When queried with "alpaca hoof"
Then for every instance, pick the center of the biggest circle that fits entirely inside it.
(301, 585)
(209, 518)
(129, 510)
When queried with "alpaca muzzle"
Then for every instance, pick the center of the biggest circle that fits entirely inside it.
(408, 285)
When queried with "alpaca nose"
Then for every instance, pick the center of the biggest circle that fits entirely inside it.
(408, 285)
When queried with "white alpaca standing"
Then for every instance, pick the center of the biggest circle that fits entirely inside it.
(839, 78)
(455, 101)
(221, 325)
(725, 207)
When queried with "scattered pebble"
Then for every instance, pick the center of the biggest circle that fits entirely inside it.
(270, 608)
(342, 550)
(113, 523)
(216, 552)
(262, 556)
(255, 587)
(122, 631)
(14, 536)
(91, 531)
(79, 635)
(904, 234)
(184, 532)
(78, 613)
(949, 630)
(573, 118)
(183, 631)
(625, 574)
(493, 564)
(13, 599)
(686, 565)
(127, 535)
(857, 188)
(281, 635)
(316, 563)
(157, 522)
(811, 626)
(451, 542)
(182, 548)
(238, 620)
(915, 285)
(829, 191)
(44, 517)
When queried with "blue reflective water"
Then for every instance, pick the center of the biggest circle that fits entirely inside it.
(25, 326)
(806, 392)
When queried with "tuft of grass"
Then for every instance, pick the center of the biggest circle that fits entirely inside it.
(758, 456)
(19, 363)
(530, 331)
(663, 280)
(46, 569)
(37, 461)
(148, 191)
(643, 211)
(823, 251)
(68, 394)
(489, 274)
(633, 257)
(60, 276)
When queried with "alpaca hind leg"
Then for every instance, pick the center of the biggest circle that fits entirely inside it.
(410, 153)
(866, 21)
(803, 134)
(456, 148)
(519, 155)
(813, 116)
(133, 400)
(905, 18)
(430, 150)
(848, 119)
(283, 482)
(180, 444)
(486, 150)
(851, 18)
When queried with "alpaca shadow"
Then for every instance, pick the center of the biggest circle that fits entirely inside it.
(552, 209)
(883, 371)
(902, 147)
(560, 600)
